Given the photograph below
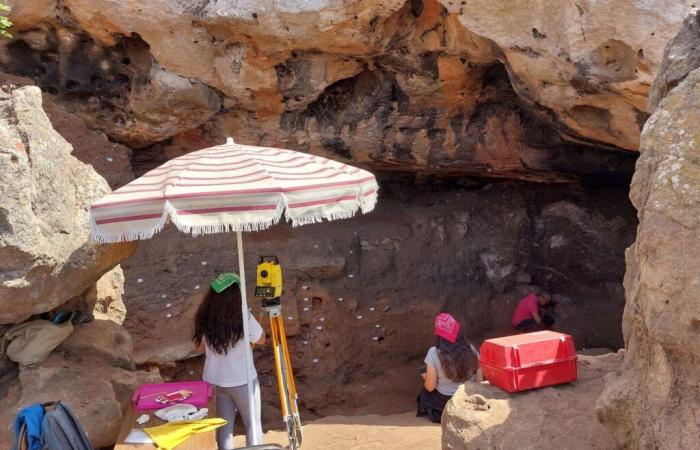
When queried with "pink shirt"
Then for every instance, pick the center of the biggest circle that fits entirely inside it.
(526, 308)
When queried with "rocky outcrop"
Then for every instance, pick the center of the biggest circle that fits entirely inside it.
(588, 64)
(101, 340)
(481, 416)
(529, 90)
(653, 402)
(109, 159)
(680, 58)
(121, 89)
(87, 372)
(575, 61)
(45, 254)
(443, 87)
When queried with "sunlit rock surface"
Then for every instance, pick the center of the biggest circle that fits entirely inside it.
(653, 403)
(46, 257)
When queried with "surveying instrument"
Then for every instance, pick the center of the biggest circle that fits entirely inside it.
(268, 286)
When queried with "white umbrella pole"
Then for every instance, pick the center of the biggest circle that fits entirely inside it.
(246, 340)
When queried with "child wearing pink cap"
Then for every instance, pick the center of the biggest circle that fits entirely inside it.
(451, 362)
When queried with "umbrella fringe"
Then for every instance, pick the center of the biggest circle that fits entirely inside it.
(364, 204)
(316, 218)
(368, 203)
(100, 237)
(198, 230)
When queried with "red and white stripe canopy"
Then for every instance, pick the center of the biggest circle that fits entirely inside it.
(233, 187)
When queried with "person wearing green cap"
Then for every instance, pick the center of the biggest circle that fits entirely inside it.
(218, 332)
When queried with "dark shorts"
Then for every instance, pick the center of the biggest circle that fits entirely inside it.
(530, 324)
(431, 404)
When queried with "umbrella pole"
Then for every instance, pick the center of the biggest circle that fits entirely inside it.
(246, 340)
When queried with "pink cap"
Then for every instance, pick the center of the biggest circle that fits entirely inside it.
(447, 327)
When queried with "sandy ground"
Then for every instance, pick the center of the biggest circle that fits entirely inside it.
(397, 431)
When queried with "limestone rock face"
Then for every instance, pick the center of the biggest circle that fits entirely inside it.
(45, 256)
(653, 403)
(102, 339)
(589, 63)
(109, 159)
(106, 296)
(29, 12)
(120, 89)
(481, 416)
(680, 58)
(424, 85)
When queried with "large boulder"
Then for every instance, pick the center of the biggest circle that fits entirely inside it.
(96, 391)
(481, 416)
(91, 371)
(653, 402)
(102, 339)
(46, 257)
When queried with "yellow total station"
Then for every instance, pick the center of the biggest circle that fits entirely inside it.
(269, 278)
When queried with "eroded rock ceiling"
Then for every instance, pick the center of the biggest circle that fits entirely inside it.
(522, 89)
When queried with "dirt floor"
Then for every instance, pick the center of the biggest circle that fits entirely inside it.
(396, 431)
(372, 396)
(480, 416)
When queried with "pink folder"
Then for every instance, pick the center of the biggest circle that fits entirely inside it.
(145, 397)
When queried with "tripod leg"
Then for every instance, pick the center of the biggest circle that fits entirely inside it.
(293, 420)
(278, 365)
(288, 361)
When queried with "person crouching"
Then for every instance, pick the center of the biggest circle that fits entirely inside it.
(451, 362)
(533, 313)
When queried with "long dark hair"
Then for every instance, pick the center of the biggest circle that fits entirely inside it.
(457, 359)
(219, 321)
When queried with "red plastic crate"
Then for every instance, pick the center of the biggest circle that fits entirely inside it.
(528, 361)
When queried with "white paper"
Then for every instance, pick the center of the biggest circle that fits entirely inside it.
(138, 436)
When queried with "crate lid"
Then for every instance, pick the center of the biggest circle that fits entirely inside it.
(525, 350)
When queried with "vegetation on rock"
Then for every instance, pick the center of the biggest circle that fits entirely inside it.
(5, 23)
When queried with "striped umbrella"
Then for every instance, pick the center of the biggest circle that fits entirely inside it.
(233, 187)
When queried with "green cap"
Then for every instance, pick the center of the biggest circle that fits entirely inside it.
(224, 280)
